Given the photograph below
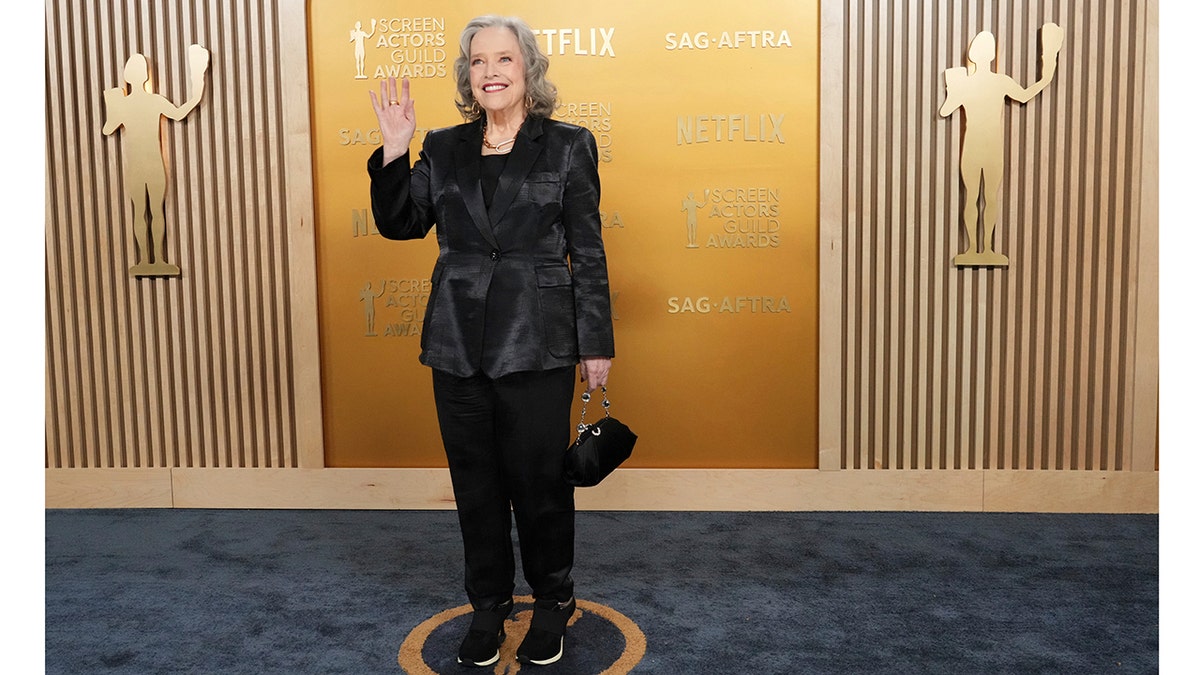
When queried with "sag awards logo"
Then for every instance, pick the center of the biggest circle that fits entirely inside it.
(404, 301)
(739, 39)
(595, 116)
(745, 217)
(410, 47)
(603, 638)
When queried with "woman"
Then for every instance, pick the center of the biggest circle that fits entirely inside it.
(520, 295)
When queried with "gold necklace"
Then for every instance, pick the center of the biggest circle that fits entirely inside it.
(497, 147)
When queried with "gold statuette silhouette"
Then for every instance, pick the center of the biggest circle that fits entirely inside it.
(690, 205)
(357, 36)
(980, 92)
(367, 296)
(139, 112)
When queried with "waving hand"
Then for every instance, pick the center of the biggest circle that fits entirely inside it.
(397, 117)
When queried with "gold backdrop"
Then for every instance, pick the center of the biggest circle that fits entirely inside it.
(706, 117)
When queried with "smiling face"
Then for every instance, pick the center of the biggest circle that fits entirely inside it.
(497, 71)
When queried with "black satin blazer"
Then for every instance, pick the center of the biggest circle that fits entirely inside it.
(522, 285)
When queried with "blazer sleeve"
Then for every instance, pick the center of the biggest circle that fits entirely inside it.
(400, 200)
(585, 248)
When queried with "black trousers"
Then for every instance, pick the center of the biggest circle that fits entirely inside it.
(504, 440)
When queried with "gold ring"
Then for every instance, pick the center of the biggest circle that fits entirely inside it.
(394, 102)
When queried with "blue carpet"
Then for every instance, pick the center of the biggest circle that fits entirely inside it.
(256, 592)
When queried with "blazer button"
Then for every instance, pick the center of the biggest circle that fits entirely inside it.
(495, 255)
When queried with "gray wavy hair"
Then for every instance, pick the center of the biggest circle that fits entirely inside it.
(542, 92)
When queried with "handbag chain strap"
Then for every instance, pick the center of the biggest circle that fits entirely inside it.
(587, 396)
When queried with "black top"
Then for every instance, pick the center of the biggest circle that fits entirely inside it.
(491, 167)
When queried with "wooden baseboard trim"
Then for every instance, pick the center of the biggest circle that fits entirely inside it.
(625, 490)
(109, 489)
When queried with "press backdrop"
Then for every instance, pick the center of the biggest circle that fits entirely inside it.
(706, 117)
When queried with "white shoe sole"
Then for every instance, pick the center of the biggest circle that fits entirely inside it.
(550, 660)
(482, 664)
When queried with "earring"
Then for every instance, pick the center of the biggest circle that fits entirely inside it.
(475, 111)
(528, 102)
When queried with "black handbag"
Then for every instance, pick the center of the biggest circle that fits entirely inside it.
(599, 448)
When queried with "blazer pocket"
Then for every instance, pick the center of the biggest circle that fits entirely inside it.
(541, 188)
(557, 298)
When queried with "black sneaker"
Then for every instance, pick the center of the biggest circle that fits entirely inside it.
(481, 646)
(543, 644)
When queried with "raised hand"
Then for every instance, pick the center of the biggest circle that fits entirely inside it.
(397, 117)
(1052, 40)
(197, 59)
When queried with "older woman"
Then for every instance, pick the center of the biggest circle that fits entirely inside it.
(520, 296)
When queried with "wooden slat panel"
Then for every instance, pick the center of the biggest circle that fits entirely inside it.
(1054, 111)
(1039, 165)
(1073, 315)
(1143, 206)
(945, 442)
(1105, 225)
(909, 150)
(172, 445)
(57, 419)
(877, 338)
(1120, 355)
(995, 391)
(1072, 408)
(87, 347)
(274, 243)
(868, 202)
(1030, 367)
(852, 385)
(889, 297)
(1020, 143)
(1087, 255)
(1115, 354)
(926, 113)
(145, 372)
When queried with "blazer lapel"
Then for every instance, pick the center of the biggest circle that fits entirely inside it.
(526, 149)
(466, 162)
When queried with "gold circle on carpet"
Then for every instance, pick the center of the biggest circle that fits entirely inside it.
(412, 662)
